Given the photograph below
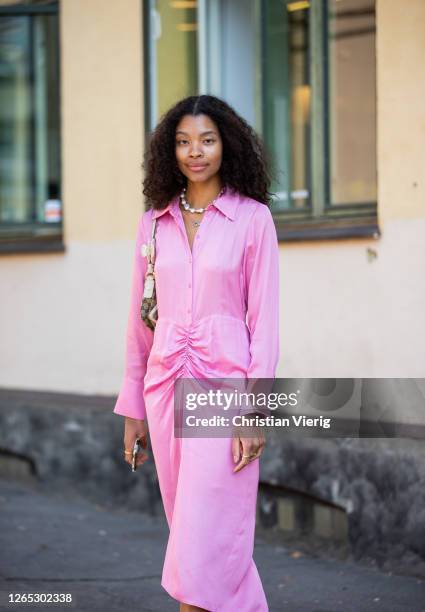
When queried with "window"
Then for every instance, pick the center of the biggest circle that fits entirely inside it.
(171, 69)
(319, 106)
(303, 74)
(30, 190)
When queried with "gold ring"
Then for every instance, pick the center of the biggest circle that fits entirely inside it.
(128, 452)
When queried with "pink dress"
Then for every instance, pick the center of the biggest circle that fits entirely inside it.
(218, 317)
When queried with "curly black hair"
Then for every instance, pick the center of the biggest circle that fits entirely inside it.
(244, 166)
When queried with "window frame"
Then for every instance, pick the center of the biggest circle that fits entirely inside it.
(36, 236)
(321, 220)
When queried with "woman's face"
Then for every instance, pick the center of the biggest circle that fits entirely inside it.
(198, 147)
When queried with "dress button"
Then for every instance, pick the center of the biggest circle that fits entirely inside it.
(189, 285)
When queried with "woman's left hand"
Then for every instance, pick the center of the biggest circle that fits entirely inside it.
(247, 449)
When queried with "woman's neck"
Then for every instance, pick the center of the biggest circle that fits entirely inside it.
(200, 194)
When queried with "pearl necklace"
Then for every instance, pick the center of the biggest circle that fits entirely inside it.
(186, 206)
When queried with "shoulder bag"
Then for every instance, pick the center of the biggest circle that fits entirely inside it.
(149, 306)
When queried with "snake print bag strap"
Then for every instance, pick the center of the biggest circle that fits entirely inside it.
(149, 307)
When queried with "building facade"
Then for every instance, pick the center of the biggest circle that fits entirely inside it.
(335, 88)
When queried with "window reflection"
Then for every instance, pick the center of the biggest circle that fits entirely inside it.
(175, 40)
(15, 121)
(352, 100)
(287, 100)
(299, 89)
(29, 118)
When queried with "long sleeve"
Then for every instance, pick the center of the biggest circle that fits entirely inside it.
(261, 273)
(139, 339)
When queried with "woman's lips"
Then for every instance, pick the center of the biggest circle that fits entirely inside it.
(197, 168)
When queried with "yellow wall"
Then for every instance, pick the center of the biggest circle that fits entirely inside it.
(401, 108)
(102, 117)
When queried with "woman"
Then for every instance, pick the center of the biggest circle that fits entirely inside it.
(217, 277)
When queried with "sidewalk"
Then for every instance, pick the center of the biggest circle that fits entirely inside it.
(112, 560)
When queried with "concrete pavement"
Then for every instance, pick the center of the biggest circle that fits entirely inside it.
(56, 541)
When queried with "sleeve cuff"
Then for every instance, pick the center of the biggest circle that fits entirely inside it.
(130, 401)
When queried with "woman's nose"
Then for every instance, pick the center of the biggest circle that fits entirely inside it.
(196, 151)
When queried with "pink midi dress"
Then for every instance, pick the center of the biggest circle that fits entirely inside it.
(218, 317)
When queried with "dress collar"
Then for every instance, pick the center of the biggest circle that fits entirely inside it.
(226, 204)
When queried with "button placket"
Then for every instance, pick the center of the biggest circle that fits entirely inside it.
(190, 293)
(191, 254)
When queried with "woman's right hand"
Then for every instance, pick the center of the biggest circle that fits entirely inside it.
(135, 428)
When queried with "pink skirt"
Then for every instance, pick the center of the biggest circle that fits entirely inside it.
(210, 511)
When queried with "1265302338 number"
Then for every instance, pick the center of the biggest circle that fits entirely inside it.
(38, 598)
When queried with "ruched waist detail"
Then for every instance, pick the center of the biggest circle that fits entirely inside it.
(212, 347)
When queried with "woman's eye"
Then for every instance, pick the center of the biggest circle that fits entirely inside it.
(206, 140)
